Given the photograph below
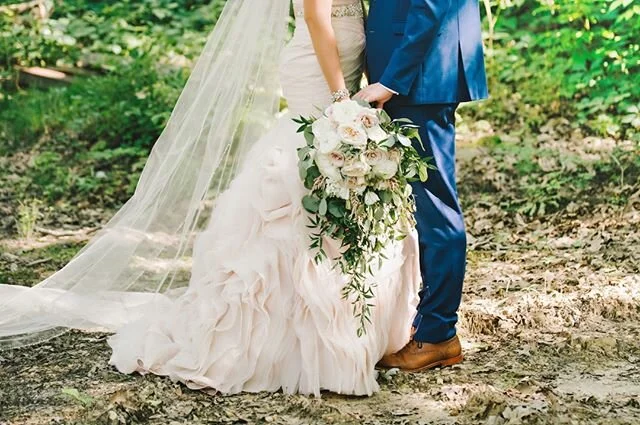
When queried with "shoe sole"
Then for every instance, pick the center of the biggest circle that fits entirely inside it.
(440, 363)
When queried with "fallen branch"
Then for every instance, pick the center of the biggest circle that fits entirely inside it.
(44, 9)
(40, 261)
(20, 7)
(63, 233)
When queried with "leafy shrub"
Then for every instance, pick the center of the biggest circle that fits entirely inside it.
(577, 58)
(107, 35)
(90, 139)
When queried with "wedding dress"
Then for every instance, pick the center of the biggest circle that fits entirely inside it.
(259, 314)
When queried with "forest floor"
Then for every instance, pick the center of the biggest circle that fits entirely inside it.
(549, 322)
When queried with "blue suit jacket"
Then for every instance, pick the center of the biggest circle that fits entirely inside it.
(429, 51)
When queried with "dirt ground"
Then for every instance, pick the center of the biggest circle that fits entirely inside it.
(549, 322)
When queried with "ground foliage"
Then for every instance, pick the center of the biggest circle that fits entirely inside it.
(549, 178)
(549, 323)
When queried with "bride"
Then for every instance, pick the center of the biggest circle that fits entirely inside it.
(230, 297)
(259, 314)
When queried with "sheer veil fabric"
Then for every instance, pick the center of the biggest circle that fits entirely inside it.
(206, 275)
(228, 103)
(259, 313)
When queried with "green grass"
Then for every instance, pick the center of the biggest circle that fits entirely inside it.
(28, 267)
(520, 184)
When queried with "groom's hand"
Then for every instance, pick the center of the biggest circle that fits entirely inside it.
(375, 94)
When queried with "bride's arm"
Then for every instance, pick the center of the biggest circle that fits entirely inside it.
(317, 14)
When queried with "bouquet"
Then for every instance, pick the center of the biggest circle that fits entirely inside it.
(357, 165)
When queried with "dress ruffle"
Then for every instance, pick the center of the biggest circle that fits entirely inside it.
(259, 313)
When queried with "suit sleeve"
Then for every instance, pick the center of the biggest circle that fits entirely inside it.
(423, 23)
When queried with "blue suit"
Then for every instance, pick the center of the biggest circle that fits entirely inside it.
(430, 53)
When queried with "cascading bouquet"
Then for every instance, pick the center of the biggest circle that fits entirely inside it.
(357, 165)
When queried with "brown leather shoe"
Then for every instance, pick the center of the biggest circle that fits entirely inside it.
(418, 356)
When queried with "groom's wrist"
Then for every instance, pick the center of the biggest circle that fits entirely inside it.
(388, 89)
(390, 84)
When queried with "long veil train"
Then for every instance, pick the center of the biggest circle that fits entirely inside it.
(227, 104)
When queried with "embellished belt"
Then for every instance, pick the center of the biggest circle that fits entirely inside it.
(353, 10)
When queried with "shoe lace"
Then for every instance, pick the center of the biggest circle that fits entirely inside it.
(419, 344)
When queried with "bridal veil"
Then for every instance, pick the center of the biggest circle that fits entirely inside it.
(228, 102)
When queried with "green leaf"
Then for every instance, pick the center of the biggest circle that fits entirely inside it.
(404, 140)
(408, 190)
(83, 399)
(308, 135)
(422, 173)
(385, 196)
(337, 208)
(378, 213)
(322, 208)
(303, 153)
(384, 117)
(362, 103)
(302, 170)
(389, 142)
(312, 174)
(311, 203)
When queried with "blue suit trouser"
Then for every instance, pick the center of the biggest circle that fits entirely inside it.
(440, 224)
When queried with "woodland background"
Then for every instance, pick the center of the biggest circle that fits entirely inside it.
(549, 175)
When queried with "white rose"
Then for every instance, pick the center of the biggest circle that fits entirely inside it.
(326, 167)
(345, 112)
(337, 158)
(355, 168)
(377, 134)
(326, 138)
(327, 145)
(321, 128)
(395, 155)
(374, 156)
(369, 118)
(371, 198)
(386, 168)
(353, 135)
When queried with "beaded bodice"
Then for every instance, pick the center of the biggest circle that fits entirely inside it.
(341, 9)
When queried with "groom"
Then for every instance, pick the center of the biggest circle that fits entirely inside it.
(424, 57)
